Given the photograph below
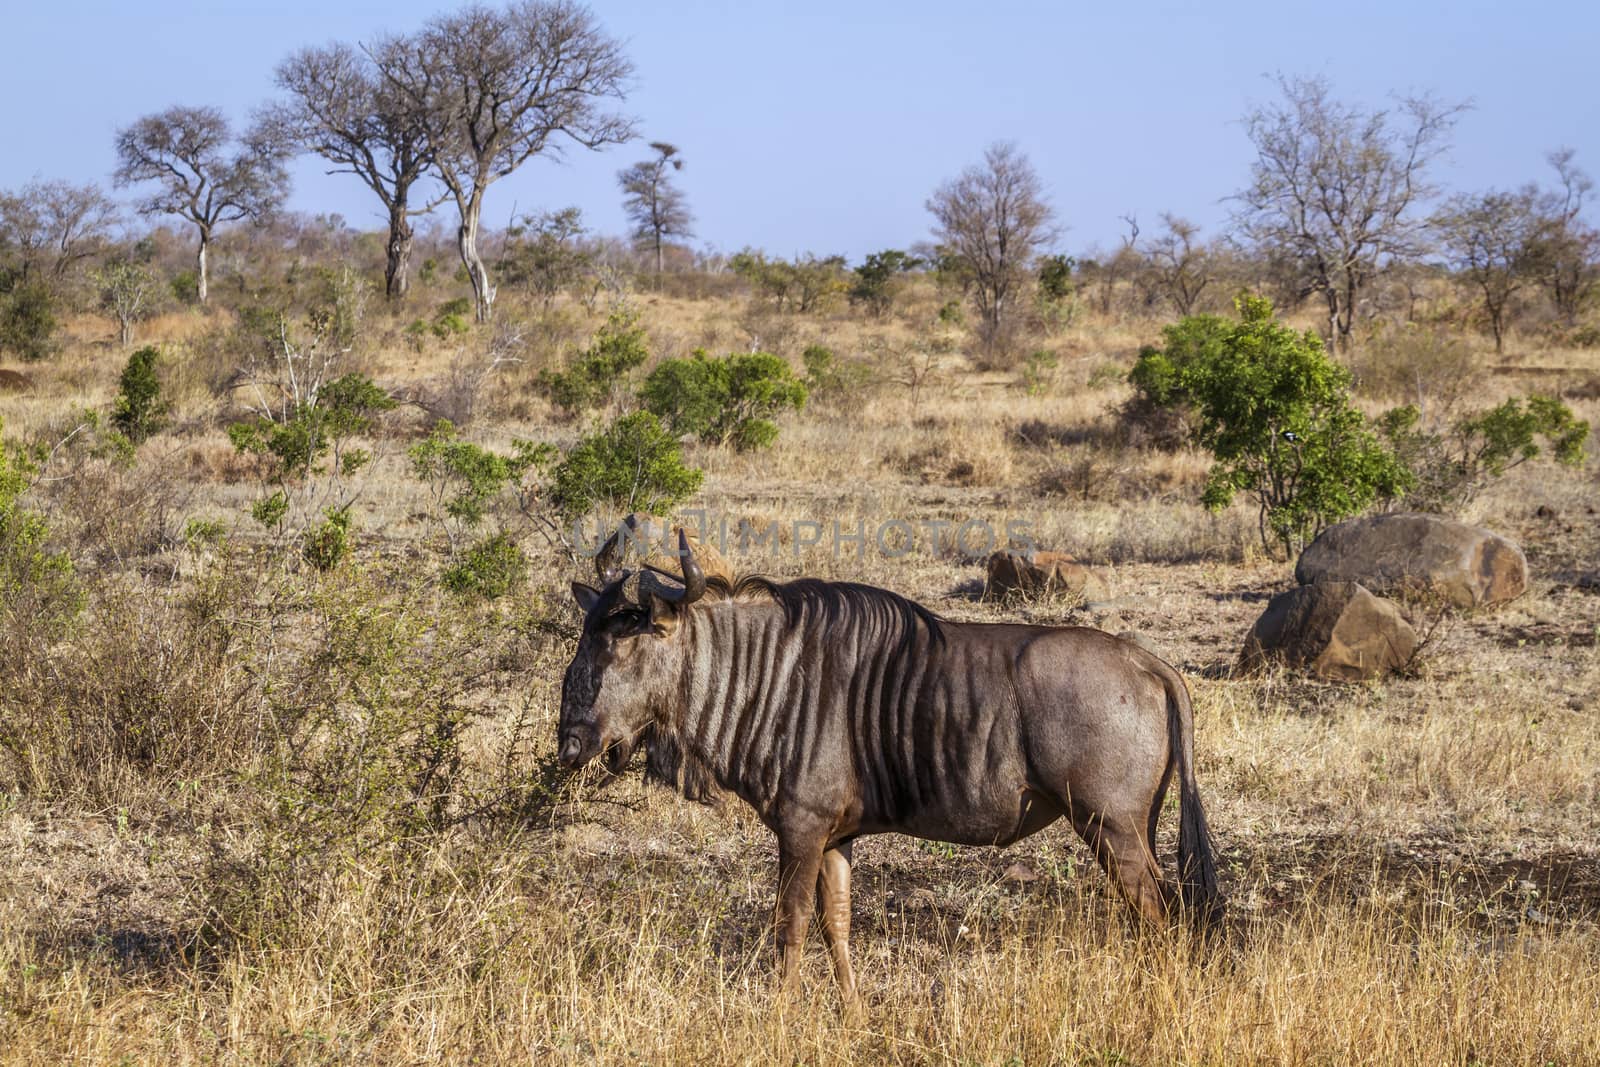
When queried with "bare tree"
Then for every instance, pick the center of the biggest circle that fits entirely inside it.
(1489, 237)
(656, 207)
(498, 87)
(992, 220)
(50, 226)
(184, 150)
(1337, 187)
(1567, 248)
(344, 111)
(1180, 266)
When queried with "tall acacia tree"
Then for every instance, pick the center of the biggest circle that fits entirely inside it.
(656, 207)
(992, 221)
(184, 151)
(497, 87)
(1338, 188)
(341, 109)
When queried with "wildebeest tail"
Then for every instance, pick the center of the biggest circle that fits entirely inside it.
(1197, 870)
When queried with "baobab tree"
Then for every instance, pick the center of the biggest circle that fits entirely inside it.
(1337, 188)
(184, 152)
(992, 221)
(656, 207)
(343, 110)
(496, 87)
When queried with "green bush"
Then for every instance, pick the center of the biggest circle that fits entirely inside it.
(38, 587)
(466, 480)
(186, 287)
(328, 542)
(1055, 277)
(1275, 413)
(489, 569)
(597, 372)
(450, 320)
(138, 412)
(833, 381)
(1039, 370)
(875, 284)
(28, 321)
(727, 400)
(311, 460)
(1449, 468)
(633, 465)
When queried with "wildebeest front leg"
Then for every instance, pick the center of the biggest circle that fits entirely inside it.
(799, 861)
(834, 883)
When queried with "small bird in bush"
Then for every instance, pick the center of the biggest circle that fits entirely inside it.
(1290, 436)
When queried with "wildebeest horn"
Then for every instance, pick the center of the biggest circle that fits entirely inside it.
(694, 579)
(608, 561)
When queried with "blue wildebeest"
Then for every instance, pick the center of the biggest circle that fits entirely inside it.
(838, 710)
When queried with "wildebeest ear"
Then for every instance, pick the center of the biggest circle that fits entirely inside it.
(663, 615)
(586, 597)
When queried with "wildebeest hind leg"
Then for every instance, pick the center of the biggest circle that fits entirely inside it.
(1127, 860)
(834, 884)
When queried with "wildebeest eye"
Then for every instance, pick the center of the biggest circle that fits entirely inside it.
(627, 623)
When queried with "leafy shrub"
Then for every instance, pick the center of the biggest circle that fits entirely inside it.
(466, 480)
(1039, 370)
(38, 588)
(875, 284)
(489, 569)
(731, 399)
(186, 288)
(369, 713)
(297, 482)
(1275, 413)
(139, 410)
(1450, 468)
(450, 320)
(633, 465)
(596, 373)
(328, 542)
(808, 284)
(1161, 412)
(831, 380)
(1055, 277)
(28, 321)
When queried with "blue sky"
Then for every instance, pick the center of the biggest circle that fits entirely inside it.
(823, 126)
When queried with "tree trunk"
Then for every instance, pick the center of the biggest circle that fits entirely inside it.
(200, 267)
(658, 259)
(125, 329)
(397, 270)
(467, 240)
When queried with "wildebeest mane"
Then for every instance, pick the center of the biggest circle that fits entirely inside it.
(811, 600)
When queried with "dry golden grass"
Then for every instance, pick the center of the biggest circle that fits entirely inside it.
(1411, 864)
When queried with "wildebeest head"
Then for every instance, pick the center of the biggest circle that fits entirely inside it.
(627, 661)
